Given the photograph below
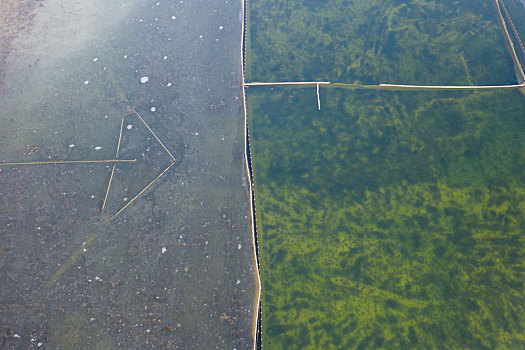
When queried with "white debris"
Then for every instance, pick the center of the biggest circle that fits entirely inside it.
(129, 127)
(86, 82)
(165, 57)
(16, 336)
(173, 17)
(200, 36)
(125, 199)
(95, 59)
(164, 250)
(196, 134)
(169, 84)
(238, 282)
(125, 56)
(239, 246)
(153, 109)
(72, 145)
(98, 148)
(144, 80)
(221, 27)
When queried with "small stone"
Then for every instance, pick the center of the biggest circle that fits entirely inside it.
(144, 80)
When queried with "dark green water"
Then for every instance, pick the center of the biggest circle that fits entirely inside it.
(387, 219)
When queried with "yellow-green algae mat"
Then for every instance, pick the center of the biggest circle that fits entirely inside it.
(389, 219)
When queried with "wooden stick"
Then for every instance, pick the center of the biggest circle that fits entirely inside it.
(318, 99)
(114, 166)
(141, 192)
(55, 162)
(151, 131)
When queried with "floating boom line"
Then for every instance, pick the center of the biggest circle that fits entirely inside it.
(519, 69)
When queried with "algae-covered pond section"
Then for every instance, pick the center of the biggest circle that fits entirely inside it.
(161, 82)
(390, 220)
(387, 219)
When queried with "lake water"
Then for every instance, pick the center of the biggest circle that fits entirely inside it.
(387, 219)
(175, 269)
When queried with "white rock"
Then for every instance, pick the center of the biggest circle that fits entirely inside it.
(144, 80)
(129, 126)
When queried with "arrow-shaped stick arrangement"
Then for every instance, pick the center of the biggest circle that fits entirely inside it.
(134, 112)
(114, 161)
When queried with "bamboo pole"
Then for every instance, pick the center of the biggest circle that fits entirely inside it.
(141, 192)
(56, 162)
(318, 99)
(155, 135)
(114, 165)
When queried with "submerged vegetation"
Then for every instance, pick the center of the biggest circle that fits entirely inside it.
(387, 219)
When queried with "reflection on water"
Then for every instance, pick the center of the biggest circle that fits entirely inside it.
(175, 269)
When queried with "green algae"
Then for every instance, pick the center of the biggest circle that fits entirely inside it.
(387, 219)
(390, 220)
(370, 42)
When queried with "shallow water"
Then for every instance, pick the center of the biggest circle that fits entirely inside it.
(387, 219)
(175, 269)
